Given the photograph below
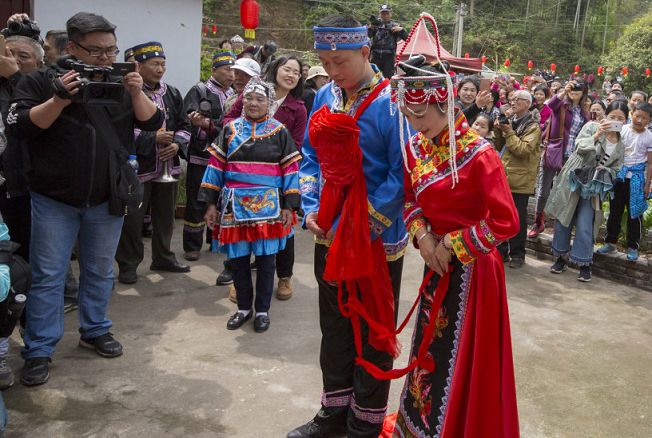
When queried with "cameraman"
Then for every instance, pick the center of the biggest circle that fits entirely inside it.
(520, 135)
(384, 34)
(70, 188)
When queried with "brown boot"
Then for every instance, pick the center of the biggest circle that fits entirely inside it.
(284, 291)
(233, 294)
(539, 225)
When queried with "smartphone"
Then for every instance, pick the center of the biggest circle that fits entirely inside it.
(2, 45)
(485, 84)
(594, 116)
(123, 68)
(616, 126)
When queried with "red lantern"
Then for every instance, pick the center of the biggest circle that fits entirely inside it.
(214, 29)
(647, 72)
(466, 55)
(553, 67)
(507, 63)
(600, 70)
(205, 30)
(249, 17)
(530, 65)
(625, 71)
(483, 59)
(577, 69)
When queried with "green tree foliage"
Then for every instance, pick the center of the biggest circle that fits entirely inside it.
(633, 49)
(564, 32)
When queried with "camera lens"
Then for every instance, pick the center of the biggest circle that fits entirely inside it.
(15, 27)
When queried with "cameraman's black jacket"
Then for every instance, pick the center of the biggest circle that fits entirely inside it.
(14, 162)
(169, 98)
(70, 159)
(383, 40)
(197, 153)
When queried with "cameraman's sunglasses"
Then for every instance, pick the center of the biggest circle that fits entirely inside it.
(110, 52)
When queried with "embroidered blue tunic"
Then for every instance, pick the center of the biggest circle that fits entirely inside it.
(253, 170)
(382, 164)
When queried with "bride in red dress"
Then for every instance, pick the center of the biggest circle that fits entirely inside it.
(458, 208)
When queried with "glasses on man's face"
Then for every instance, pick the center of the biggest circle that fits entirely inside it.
(513, 101)
(110, 52)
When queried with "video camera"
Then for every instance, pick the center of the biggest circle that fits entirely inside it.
(24, 28)
(99, 85)
(375, 21)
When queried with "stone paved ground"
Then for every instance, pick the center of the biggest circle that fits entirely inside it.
(582, 355)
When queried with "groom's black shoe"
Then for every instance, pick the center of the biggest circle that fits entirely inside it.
(327, 423)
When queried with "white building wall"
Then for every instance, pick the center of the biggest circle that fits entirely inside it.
(174, 23)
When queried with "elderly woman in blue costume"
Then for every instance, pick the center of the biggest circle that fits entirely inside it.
(253, 171)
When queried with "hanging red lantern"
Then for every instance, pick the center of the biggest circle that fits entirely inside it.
(483, 59)
(553, 67)
(600, 70)
(625, 71)
(214, 29)
(577, 69)
(530, 65)
(205, 29)
(647, 73)
(508, 63)
(466, 55)
(249, 17)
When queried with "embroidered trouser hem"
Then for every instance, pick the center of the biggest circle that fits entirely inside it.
(345, 384)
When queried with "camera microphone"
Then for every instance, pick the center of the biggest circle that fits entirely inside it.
(66, 62)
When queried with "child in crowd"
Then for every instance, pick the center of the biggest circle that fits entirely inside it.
(632, 183)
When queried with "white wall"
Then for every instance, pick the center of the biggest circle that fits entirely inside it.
(174, 23)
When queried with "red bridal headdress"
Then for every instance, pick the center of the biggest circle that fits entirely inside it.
(418, 82)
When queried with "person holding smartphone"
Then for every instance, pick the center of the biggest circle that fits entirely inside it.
(632, 183)
(581, 186)
(567, 119)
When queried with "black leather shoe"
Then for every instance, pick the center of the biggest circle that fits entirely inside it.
(237, 320)
(172, 267)
(261, 323)
(225, 278)
(324, 424)
(36, 371)
(104, 345)
(128, 277)
(192, 256)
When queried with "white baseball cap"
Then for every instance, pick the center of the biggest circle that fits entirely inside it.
(247, 65)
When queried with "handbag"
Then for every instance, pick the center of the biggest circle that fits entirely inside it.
(553, 155)
(125, 189)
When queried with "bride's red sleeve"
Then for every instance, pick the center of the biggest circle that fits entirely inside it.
(501, 221)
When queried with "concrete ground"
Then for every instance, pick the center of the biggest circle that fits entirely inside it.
(582, 355)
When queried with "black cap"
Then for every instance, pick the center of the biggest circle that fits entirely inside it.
(271, 46)
(385, 7)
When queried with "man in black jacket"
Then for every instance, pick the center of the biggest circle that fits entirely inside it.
(384, 34)
(204, 105)
(155, 150)
(69, 145)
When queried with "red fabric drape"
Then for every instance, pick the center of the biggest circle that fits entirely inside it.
(353, 259)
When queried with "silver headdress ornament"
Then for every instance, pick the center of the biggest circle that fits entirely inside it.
(257, 85)
(426, 87)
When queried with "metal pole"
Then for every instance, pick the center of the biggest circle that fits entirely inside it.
(455, 32)
(460, 30)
